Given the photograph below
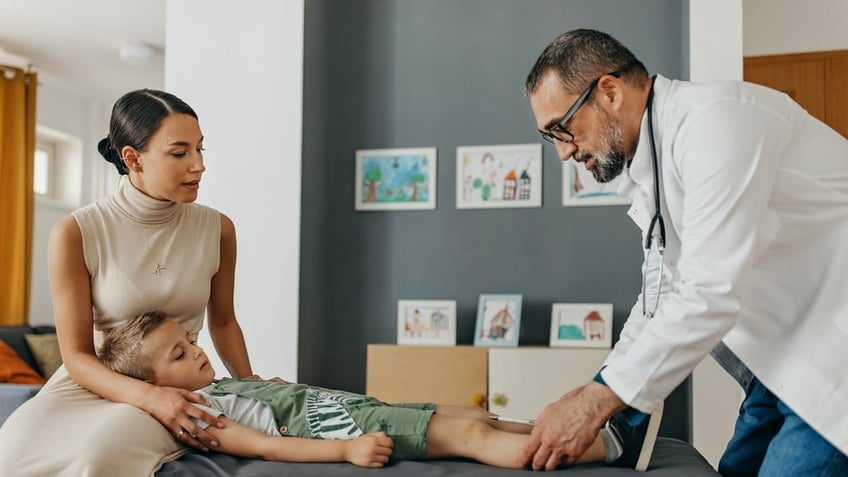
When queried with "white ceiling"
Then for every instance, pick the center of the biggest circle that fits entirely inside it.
(76, 43)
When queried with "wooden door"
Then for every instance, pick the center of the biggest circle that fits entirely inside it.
(817, 81)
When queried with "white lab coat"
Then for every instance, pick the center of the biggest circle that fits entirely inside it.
(755, 201)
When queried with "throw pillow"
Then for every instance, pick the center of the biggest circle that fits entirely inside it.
(15, 370)
(45, 349)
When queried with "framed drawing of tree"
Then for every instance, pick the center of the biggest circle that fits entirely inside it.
(396, 179)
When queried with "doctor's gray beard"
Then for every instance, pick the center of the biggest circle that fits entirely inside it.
(609, 163)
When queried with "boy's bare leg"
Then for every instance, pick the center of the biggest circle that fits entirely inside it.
(476, 439)
(469, 412)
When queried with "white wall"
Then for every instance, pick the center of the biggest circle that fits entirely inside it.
(715, 41)
(72, 114)
(240, 66)
(773, 27)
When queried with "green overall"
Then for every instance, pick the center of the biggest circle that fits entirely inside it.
(319, 413)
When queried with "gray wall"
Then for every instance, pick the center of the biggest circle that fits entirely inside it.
(447, 73)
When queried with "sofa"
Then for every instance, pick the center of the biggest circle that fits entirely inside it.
(37, 347)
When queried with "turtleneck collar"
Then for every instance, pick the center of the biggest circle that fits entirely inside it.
(141, 208)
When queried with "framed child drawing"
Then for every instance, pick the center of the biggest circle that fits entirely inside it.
(498, 320)
(426, 322)
(581, 325)
(499, 176)
(395, 179)
(579, 187)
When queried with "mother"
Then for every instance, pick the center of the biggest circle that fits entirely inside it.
(146, 247)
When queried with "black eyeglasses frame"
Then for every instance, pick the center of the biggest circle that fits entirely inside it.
(552, 134)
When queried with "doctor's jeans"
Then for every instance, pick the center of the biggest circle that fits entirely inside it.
(772, 441)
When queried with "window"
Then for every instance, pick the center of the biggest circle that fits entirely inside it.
(45, 155)
(57, 168)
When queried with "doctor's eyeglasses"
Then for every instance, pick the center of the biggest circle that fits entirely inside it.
(558, 132)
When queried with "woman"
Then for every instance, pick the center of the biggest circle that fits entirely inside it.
(148, 246)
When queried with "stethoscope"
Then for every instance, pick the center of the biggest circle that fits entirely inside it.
(657, 219)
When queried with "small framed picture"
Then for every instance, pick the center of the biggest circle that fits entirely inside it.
(503, 176)
(581, 325)
(498, 320)
(396, 179)
(579, 187)
(426, 322)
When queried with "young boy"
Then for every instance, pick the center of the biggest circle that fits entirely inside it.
(299, 423)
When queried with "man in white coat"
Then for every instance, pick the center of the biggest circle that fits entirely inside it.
(742, 199)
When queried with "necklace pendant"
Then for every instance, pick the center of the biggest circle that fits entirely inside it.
(157, 270)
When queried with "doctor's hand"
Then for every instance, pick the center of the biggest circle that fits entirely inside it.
(567, 427)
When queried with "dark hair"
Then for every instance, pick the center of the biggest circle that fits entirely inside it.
(136, 116)
(123, 347)
(581, 56)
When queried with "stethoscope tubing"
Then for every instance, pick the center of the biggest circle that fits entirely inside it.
(657, 219)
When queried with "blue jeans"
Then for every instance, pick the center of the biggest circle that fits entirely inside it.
(771, 440)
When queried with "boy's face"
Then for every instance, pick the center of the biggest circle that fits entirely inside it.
(176, 360)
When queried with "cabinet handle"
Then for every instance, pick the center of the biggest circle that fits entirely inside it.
(499, 399)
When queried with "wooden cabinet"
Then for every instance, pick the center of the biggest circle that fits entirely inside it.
(442, 374)
(515, 382)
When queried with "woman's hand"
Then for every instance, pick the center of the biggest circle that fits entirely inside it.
(172, 407)
(369, 450)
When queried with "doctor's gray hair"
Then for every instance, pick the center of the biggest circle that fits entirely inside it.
(581, 56)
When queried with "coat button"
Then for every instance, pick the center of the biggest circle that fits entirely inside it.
(284, 429)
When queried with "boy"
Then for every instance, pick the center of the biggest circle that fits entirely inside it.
(298, 423)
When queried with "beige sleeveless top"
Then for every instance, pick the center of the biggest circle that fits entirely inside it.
(145, 254)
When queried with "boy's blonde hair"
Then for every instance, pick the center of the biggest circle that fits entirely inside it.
(123, 347)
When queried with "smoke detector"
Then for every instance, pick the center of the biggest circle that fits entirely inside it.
(136, 53)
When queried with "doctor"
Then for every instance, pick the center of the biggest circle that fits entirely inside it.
(742, 199)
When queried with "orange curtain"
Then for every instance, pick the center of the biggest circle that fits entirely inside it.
(17, 147)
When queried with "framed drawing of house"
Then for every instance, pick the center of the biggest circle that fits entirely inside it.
(581, 325)
(498, 320)
(499, 176)
(395, 179)
(426, 322)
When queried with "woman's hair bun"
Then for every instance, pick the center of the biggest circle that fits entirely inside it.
(110, 154)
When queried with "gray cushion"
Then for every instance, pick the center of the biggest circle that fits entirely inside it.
(14, 337)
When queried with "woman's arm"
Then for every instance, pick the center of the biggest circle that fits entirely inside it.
(70, 286)
(369, 450)
(221, 317)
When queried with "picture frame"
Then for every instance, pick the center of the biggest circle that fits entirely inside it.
(581, 325)
(498, 320)
(426, 322)
(499, 176)
(395, 179)
(579, 187)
